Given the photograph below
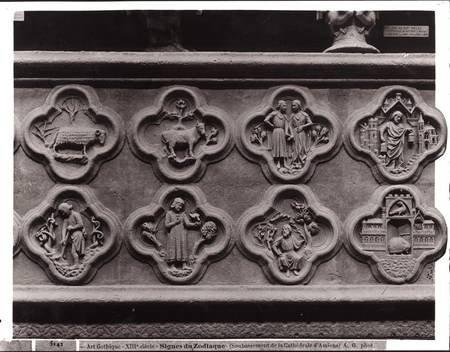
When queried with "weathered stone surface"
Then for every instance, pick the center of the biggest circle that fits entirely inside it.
(70, 234)
(396, 234)
(234, 84)
(288, 134)
(396, 134)
(180, 151)
(179, 234)
(72, 133)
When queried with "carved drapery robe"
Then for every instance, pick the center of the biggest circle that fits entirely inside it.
(288, 248)
(278, 144)
(77, 233)
(395, 140)
(301, 138)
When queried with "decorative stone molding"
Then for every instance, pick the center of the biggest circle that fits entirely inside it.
(288, 134)
(72, 133)
(71, 234)
(16, 233)
(289, 234)
(396, 234)
(17, 134)
(179, 234)
(350, 30)
(180, 134)
(397, 134)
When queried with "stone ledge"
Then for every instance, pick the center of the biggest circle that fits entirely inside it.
(224, 65)
(319, 294)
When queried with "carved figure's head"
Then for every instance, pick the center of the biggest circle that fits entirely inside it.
(282, 106)
(286, 230)
(201, 128)
(296, 105)
(100, 135)
(397, 117)
(177, 204)
(64, 209)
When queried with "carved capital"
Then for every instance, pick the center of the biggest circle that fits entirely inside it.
(288, 134)
(71, 234)
(397, 134)
(350, 30)
(396, 234)
(180, 134)
(179, 234)
(72, 134)
(289, 234)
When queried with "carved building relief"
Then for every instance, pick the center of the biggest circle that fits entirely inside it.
(17, 221)
(396, 234)
(72, 133)
(288, 134)
(71, 234)
(397, 134)
(180, 134)
(179, 234)
(289, 234)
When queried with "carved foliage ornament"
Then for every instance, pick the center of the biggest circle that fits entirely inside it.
(180, 134)
(396, 234)
(288, 134)
(289, 233)
(397, 134)
(72, 133)
(179, 234)
(71, 234)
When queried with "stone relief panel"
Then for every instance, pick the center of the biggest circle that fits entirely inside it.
(71, 234)
(397, 134)
(288, 134)
(180, 134)
(396, 234)
(17, 221)
(289, 234)
(179, 234)
(72, 133)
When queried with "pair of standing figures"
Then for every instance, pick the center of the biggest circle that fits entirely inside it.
(290, 140)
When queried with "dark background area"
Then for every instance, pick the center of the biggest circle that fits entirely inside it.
(283, 31)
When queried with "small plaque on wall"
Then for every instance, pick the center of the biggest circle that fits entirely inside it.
(406, 31)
